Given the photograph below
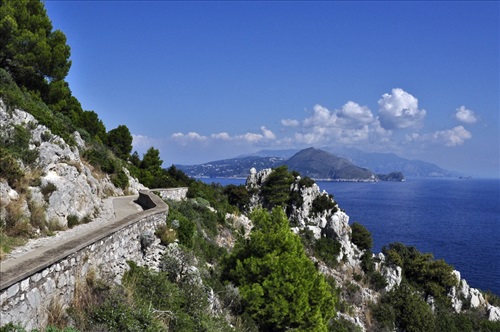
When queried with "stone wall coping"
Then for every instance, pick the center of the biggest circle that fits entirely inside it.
(39, 259)
(168, 189)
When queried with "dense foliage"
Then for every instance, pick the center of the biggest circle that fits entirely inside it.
(361, 236)
(432, 277)
(276, 188)
(280, 286)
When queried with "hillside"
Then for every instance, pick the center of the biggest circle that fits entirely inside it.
(277, 254)
(318, 164)
(390, 162)
(236, 167)
(311, 162)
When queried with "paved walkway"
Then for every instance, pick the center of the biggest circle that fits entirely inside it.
(38, 252)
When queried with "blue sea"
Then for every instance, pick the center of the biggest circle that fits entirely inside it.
(457, 220)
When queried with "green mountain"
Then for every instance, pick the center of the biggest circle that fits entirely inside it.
(319, 164)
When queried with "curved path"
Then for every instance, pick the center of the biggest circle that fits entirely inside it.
(39, 251)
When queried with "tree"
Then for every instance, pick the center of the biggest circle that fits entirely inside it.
(237, 195)
(276, 188)
(120, 141)
(151, 159)
(90, 121)
(279, 285)
(29, 50)
(361, 236)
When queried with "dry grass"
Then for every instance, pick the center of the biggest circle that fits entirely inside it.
(166, 235)
(56, 315)
(38, 218)
(83, 299)
(54, 225)
(17, 223)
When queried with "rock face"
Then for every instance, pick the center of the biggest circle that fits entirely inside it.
(67, 186)
(334, 223)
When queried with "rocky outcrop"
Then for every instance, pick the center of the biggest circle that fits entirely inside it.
(64, 184)
(464, 294)
(332, 222)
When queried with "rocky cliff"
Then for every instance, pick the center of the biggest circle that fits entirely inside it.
(348, 273)
(58, 183)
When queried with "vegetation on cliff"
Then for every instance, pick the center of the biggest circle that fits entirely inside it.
(216, 276)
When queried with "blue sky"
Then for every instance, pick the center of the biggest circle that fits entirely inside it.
(203, 81)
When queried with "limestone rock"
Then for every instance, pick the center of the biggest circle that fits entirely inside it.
(493, 313)
(393, 275)
(473, 295)
(134, 185)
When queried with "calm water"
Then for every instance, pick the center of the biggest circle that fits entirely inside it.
(457, 220)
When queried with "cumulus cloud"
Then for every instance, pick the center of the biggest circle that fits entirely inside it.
(189, 137)
(351, 124)
(290, 123)
(465, 115)
(449, 137)
(400, 110)
(221, 136)
(267, 133)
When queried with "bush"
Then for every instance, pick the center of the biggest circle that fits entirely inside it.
(404, 308)
(120, 179)
(47, 190)
(361, 237)
(166, 235)
(327, 250)
(433, 277)
(323, 203)
(276, 188)
(73, 220)
(9, 168)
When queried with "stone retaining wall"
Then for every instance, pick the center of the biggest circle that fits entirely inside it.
(174, 194)
(27, 300)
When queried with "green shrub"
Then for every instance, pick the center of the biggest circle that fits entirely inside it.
(9, 168)
(276, 189)
(433, 277)
(405, 309)
(120, 179)
(323, 203)
(327, 250)
(361, 237)
(306, 182)
(47, 190)
(72, 220)
(238, 196)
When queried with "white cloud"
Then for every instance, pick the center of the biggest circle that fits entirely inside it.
(465, 115)
(453, 137)
(221, 136)
(191, 136)
(354, 114)
(289, 123)
(267, 133)
(400, 110)
(449, 137)
(351, 124)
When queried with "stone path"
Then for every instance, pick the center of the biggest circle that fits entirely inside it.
(36, 250)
